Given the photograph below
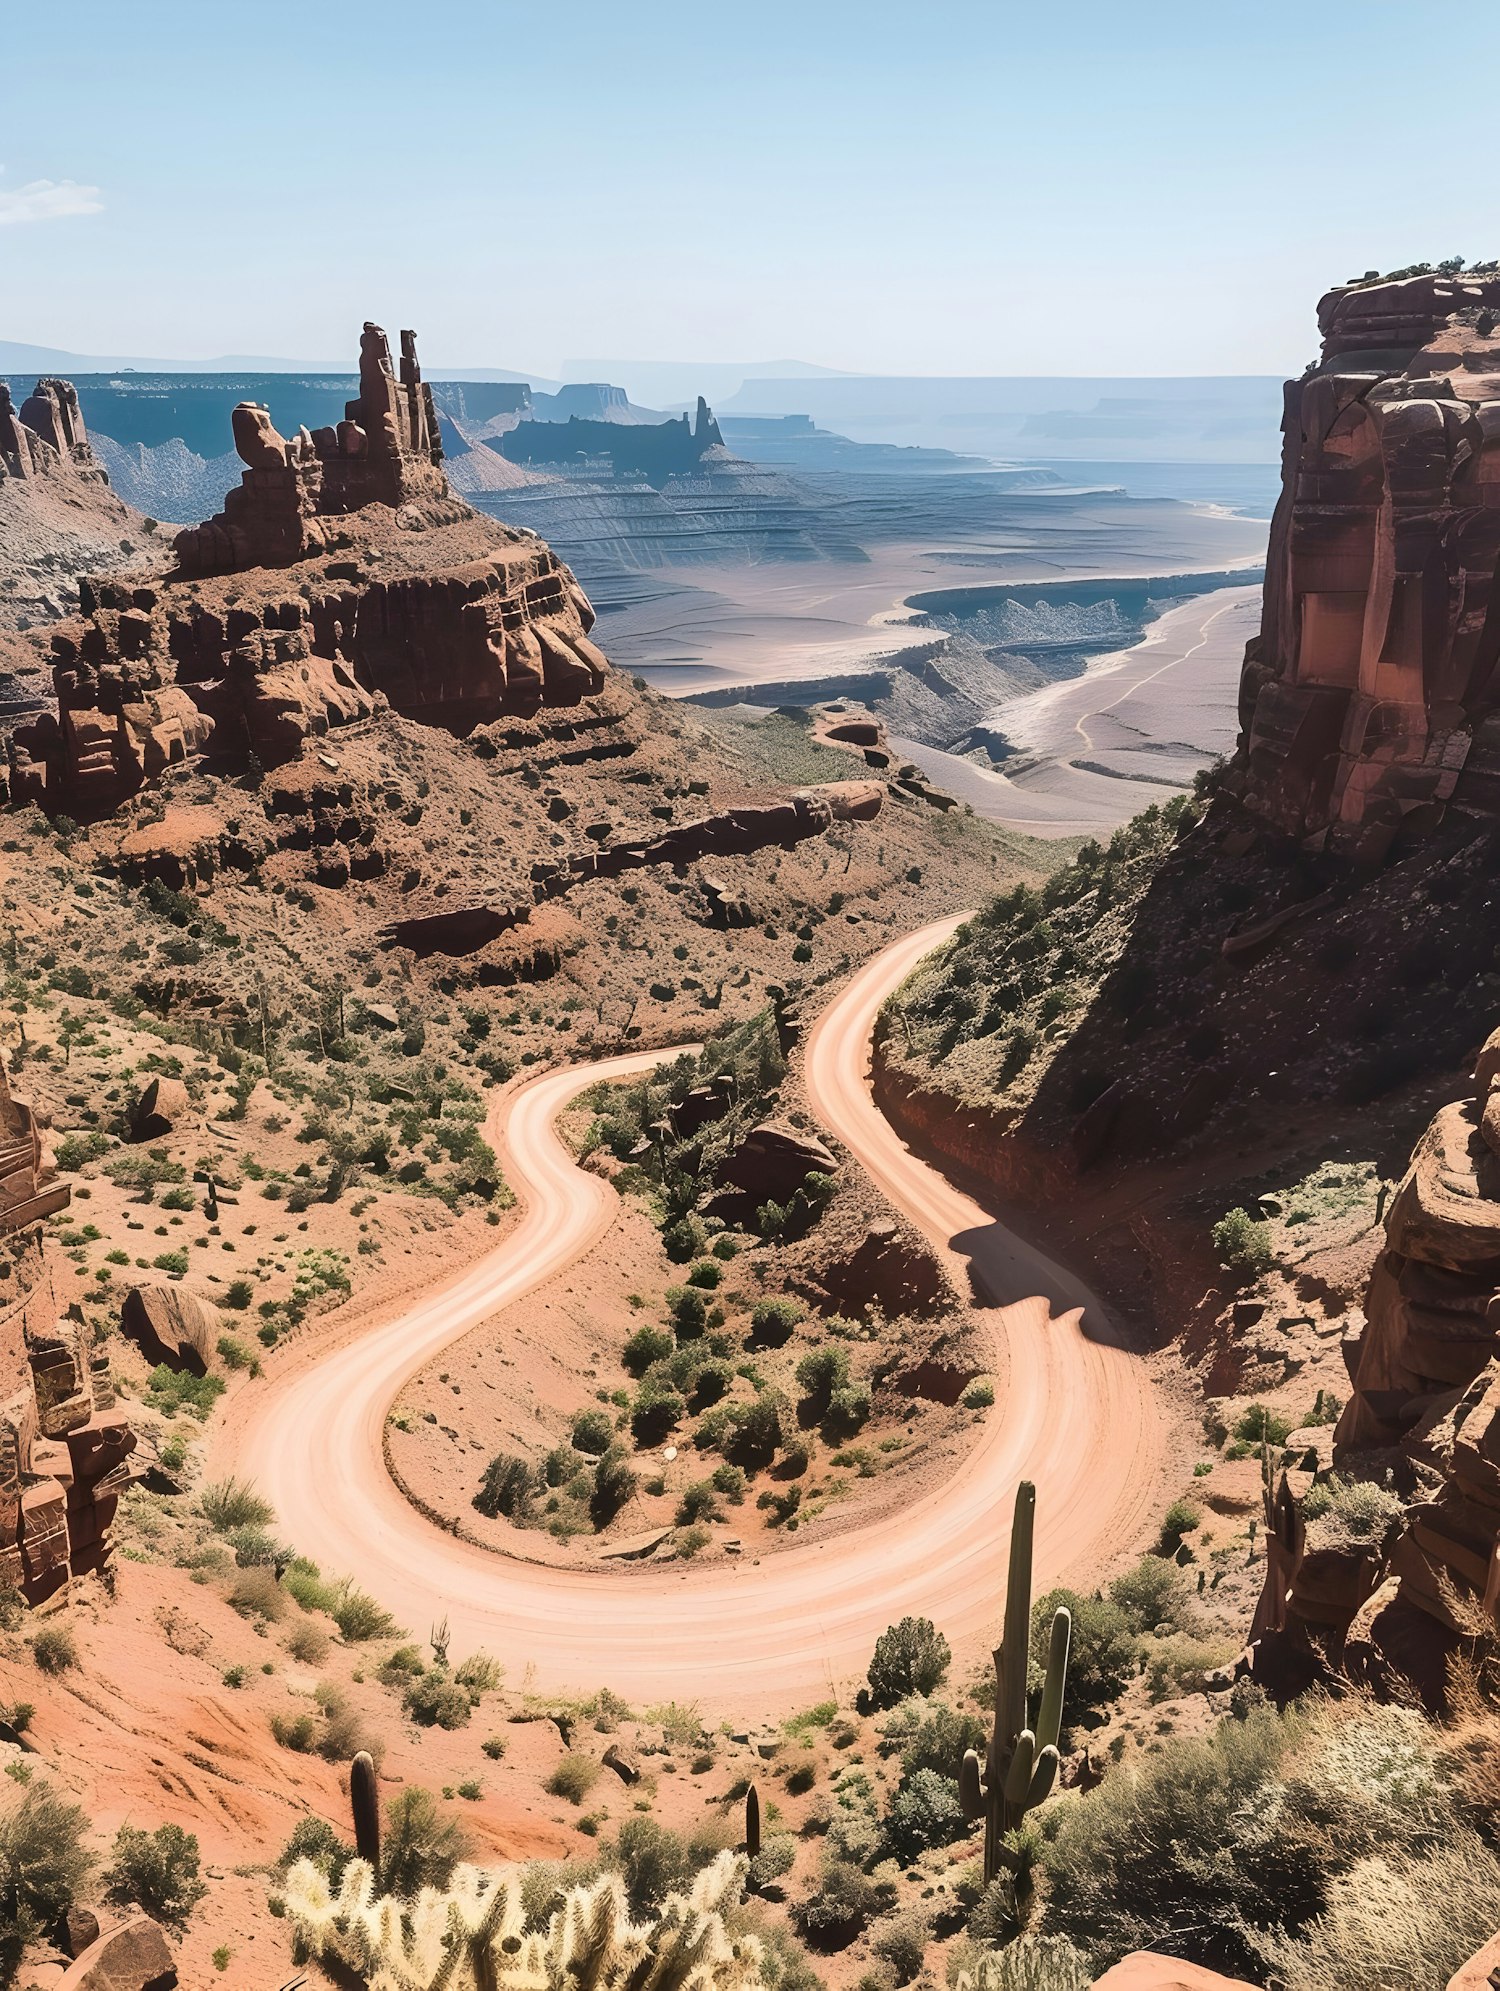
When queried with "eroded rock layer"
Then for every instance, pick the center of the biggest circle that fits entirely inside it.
(65, 1449)
(342, 571)
(1371, 700)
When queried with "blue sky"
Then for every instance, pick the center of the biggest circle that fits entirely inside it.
(948, 188)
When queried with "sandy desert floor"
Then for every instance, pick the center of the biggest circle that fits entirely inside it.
(1091, 751)
(696, 629)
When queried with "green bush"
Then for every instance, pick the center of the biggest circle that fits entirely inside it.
(939, 1738)
(911, 1657)
(45, 1864)
(436, 1700)
(1262, 1426)
(822, 1371)
(174, 1392)
(838, 1909)
(925, 1812)
(234, 1354)
(707, 1273)
(1105, 1651)
(646, 1346)
(1243, 1244)
(238, 1294)
(656, 1411)
(848, 1412)
(53, 1649)
(688, 1311)
(507, 1487)
(614, 1485)
(359, 1617)
(773, 1321)
(592, 1431)
(156, 1871)
(1151, 1594)
(573, 1778)
(419, 1847)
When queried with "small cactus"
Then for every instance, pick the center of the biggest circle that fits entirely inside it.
(364, 1798)
(752, 1822)
(1021, 1763)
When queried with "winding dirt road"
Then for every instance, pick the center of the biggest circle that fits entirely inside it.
(1077, 1415)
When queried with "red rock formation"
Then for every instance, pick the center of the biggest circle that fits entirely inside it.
(1371, 698)
(260, 640)
(47, 438)
(64, 1448)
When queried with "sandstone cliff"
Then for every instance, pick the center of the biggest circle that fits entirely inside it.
(1370, 701)
(342, 571)
(64, 1447)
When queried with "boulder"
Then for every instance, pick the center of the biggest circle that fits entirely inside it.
(160, 1107)
(171, 1326)
(772, 1161)
(1144, 1970)
(131, 1957)
(624, 1765)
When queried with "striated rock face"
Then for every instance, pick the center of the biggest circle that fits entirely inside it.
(1426, 1375)
(64, 1448)
(342, 570)
(47, 438)
(1371, 698)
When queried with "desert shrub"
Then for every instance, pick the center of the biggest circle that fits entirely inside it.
(645, 1346)
(979, 1395)
(614, 1484)
(436, 1700)
(234, 1354)
(344, 1732)
(157, 1871)
(821, 1371)
(1260, 1425)
(1180, 1519)
(359, 1617)
(688, 1311)
(924, 1812)
(754, 1430)
(699, 1502)
(53, 1649)
(777, 1856)
(1031, 1963)
(238, 1294)
(938, 1739)
(1104, 1654)
(657, 1410)
(1243, 1244)
(298, 1732)
(772, 1321)
(911, 1657)
(730, 1481)
(44, 1865)
(707, 1273)
(419, 1847)
(255, 1548)
(848, 1411)
(315, 1839)
(507, 1488)
(573, 1778)
(1198, 1846)
(653, 1861)
(481, 1673)
(1351, 1510)
(255, 1593)
(1153, 1593)
(832, 1914)
(1398, 1921)
(175, 1393)
(593, 1431)
(307, 1642)
(902, 1943)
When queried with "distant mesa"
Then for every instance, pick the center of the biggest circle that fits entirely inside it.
(655, 452)
(1370, 701)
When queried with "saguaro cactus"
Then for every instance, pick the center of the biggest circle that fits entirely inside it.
(364, 1799)
(752, 1822)
(1020, 1765)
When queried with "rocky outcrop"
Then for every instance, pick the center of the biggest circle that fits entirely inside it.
(735, 832)
(1144, 1970)
(773, 1161)
(160, 1105)
(342, 572)
(131, 1957)
(47, 437)
(171, 1326)
(64, 1448)
(1370, 701)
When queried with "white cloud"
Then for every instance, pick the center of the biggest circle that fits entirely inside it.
(47, 200)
